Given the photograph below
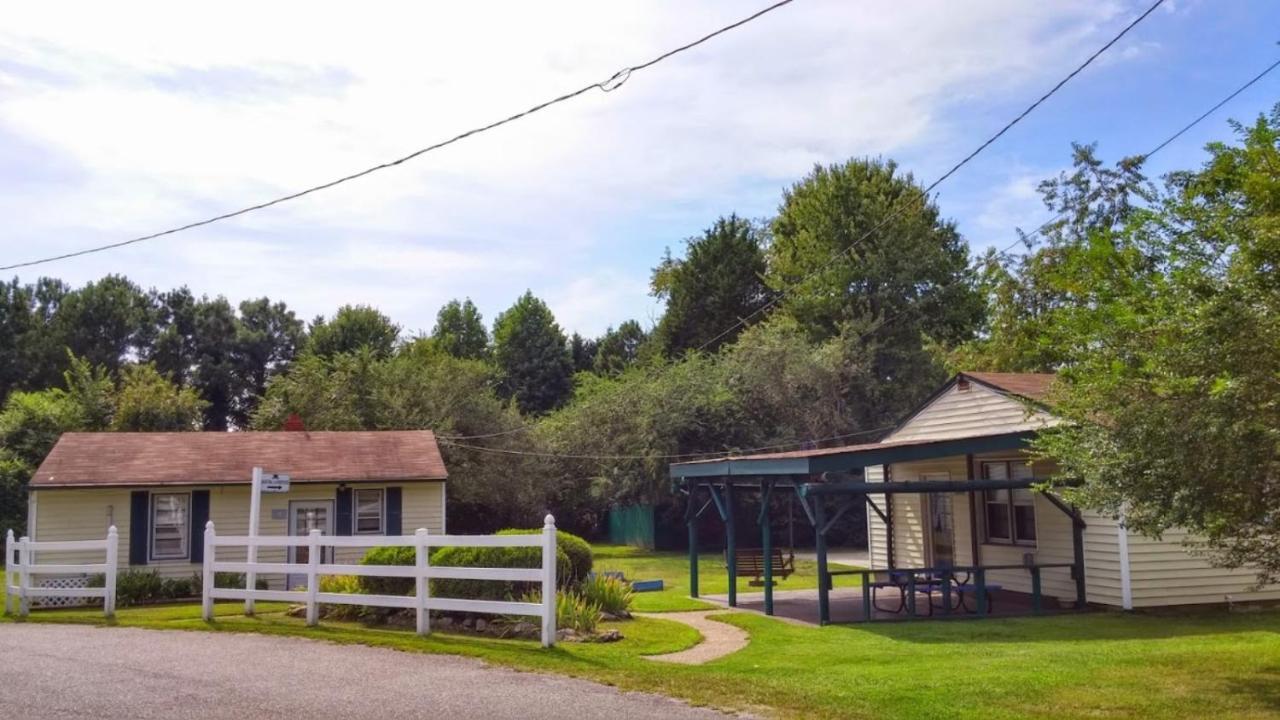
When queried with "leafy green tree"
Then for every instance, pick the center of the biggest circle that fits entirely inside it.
(1022, 295)
(148, 402)
(217, 375)
(422, 387)
(620, 349)
(16, 321)
(867, 247)
(93, 393)
(103, 322)
(354, 327)
(268, 338)
(719, 282)
(1170, 382)
(532, 356)
(460, 330)
(582, 351)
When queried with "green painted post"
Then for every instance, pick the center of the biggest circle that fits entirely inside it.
(911, 595)
(766, 545)
(946, 592)
(731, 544)
(820, 545)
(693, 547)
(980, 579)
(866, 596)
(1036, 605)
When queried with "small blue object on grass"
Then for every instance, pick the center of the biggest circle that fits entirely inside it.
(646, 585)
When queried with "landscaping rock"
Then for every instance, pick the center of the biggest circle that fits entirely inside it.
(566, 635)
(606, 636)
(610, 617)
(296, 611)
(481, 625)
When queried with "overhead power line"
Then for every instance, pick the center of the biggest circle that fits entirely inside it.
(657, 456)
(613, 83)
(1163, 144)
(923, 196)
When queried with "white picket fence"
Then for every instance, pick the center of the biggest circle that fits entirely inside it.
(422, 571)
(20, 561)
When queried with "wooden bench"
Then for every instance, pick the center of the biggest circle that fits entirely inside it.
(749, 562)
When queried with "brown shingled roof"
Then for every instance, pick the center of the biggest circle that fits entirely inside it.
(216, 458)
(1033, 386)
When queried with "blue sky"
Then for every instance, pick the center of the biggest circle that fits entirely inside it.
(136, 117)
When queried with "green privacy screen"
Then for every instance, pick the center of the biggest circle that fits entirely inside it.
(632, 525)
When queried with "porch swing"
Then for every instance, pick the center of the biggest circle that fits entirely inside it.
(750, 562)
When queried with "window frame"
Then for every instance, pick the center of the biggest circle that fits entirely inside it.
(151, 528)
(1009, 508)
(355, 511)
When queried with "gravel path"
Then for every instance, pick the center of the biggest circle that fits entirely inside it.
(718, 639)
(67, 671)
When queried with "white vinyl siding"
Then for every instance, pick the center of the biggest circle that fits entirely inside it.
(85, 514)
(958, 413)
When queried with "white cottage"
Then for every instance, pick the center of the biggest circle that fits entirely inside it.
(159, 489)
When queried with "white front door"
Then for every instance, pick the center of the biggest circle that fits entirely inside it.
(305, 516)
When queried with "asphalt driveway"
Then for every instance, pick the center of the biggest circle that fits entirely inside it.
(66, 671)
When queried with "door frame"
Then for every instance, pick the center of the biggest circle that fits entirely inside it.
(930, 499)
(293, 579)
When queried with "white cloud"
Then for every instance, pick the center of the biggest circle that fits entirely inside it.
(159, 113)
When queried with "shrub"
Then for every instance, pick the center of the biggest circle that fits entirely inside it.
(577, 549)
(387, 585)
(346, 585)
(573, 611)
(224, 580)
(138, 586)
(175, 588)
(492, 557)
(610, 593)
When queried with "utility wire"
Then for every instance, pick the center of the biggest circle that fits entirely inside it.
(613, 83)
(659, 456)
(1026, 239)
(925, 193)
(923, 196)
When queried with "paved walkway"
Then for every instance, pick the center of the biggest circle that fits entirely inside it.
(718, 638)
(68, 671)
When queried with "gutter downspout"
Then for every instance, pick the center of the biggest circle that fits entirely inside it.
(1126, 577)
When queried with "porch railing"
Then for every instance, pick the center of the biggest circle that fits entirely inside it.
(943, 580)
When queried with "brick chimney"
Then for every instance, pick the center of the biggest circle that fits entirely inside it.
(293, 423)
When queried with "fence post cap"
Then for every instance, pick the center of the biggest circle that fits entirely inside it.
(208, 526)
(111, 530)
(420, 531)
(9, 535)
(550, 521)
(315, 532)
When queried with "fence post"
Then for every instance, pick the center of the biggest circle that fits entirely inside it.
(549, 582)
(24, 575)
(313, 576)
(422, 559)
(9, 546)
(208, 576)
(109, 584)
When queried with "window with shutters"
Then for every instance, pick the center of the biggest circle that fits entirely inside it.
(170, 526)
(369, 512)
(1009, 515)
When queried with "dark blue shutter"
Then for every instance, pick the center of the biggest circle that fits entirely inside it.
(139, 525)
(343, 520)
(199, 516)
(393, 511)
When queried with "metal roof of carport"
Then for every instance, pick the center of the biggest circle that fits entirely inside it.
(847, 458)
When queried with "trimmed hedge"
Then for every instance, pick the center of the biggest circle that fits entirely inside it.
(578, 550)
(573, 563)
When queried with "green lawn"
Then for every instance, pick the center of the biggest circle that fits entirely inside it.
(673, 569)
(1104, 665)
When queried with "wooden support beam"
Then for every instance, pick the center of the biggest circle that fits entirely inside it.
(731, 545)
(766, 544)
(804, 505)
(883, 518)
(824, 578)
(839, 512)
(720, 504)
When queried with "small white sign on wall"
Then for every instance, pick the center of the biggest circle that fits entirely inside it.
(275, 483)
